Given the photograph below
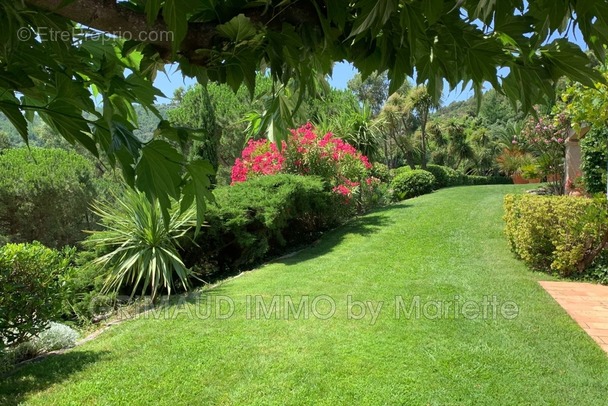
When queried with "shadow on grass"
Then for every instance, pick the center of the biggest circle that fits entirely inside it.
(39, 375)
(365, 225)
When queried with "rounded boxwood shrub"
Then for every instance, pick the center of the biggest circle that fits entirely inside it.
(443, 175)
(31, 289)
(412, 183)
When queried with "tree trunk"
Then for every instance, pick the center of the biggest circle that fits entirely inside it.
(409, 158)
(423, 136)
(386, 158)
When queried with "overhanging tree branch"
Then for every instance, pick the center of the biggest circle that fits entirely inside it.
(111, 17)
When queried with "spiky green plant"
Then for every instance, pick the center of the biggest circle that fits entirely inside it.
(138, 248)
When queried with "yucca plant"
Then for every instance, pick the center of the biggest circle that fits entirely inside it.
(139, 248)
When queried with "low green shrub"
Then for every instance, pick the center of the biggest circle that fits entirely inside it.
(259, 217)
(598, 271)
(412, 183)
(32, 289)
(85, 298)
(377, 194)
(443, 175)
(45, 196)
(562, 234)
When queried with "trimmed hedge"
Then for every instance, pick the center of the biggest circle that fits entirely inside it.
(259, 217)
(444, 176)
(400, 170)
(412, 183)
(562, 234)
(448, 177)
(471, 180)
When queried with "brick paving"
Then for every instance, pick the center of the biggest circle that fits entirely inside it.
(586, 303)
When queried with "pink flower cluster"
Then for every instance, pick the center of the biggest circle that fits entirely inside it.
(306, 139)
(306, 153)
(259, 157)
(346, 187)
(545, 131)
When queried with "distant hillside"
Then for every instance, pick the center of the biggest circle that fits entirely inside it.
(147, 124)
(458, 109)
(495, 110)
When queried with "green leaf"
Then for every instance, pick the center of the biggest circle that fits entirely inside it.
(238, 29)
(152, 9)
(570, 61)
(60, 116)
(159, 169)
(399, 73)
(337, 11)
(376, 13)
(484, 10)
(159, 173)
(143, 89)
(433, 9)
(123, 138)
(12, 112)
(175, 14)
(198, 187)
(180, 135)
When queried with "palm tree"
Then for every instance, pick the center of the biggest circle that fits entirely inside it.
(358, 128)
(508, 133)
(362, 132)
(458, 146)
(421, 103)
(400, 125)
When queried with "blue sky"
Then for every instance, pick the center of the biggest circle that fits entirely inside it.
(342, 73)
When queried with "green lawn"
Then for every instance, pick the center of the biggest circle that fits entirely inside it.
(445, 247)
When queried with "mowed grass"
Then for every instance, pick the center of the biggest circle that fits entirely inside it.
(442, 249)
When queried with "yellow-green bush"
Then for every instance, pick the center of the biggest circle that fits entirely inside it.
(562, 234)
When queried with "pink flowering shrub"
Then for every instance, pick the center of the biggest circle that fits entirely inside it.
(259, 157)
(308, 153)
(546, 137)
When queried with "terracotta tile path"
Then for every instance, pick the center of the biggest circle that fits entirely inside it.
(586, 303)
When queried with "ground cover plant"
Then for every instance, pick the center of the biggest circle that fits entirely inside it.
(434, 248)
